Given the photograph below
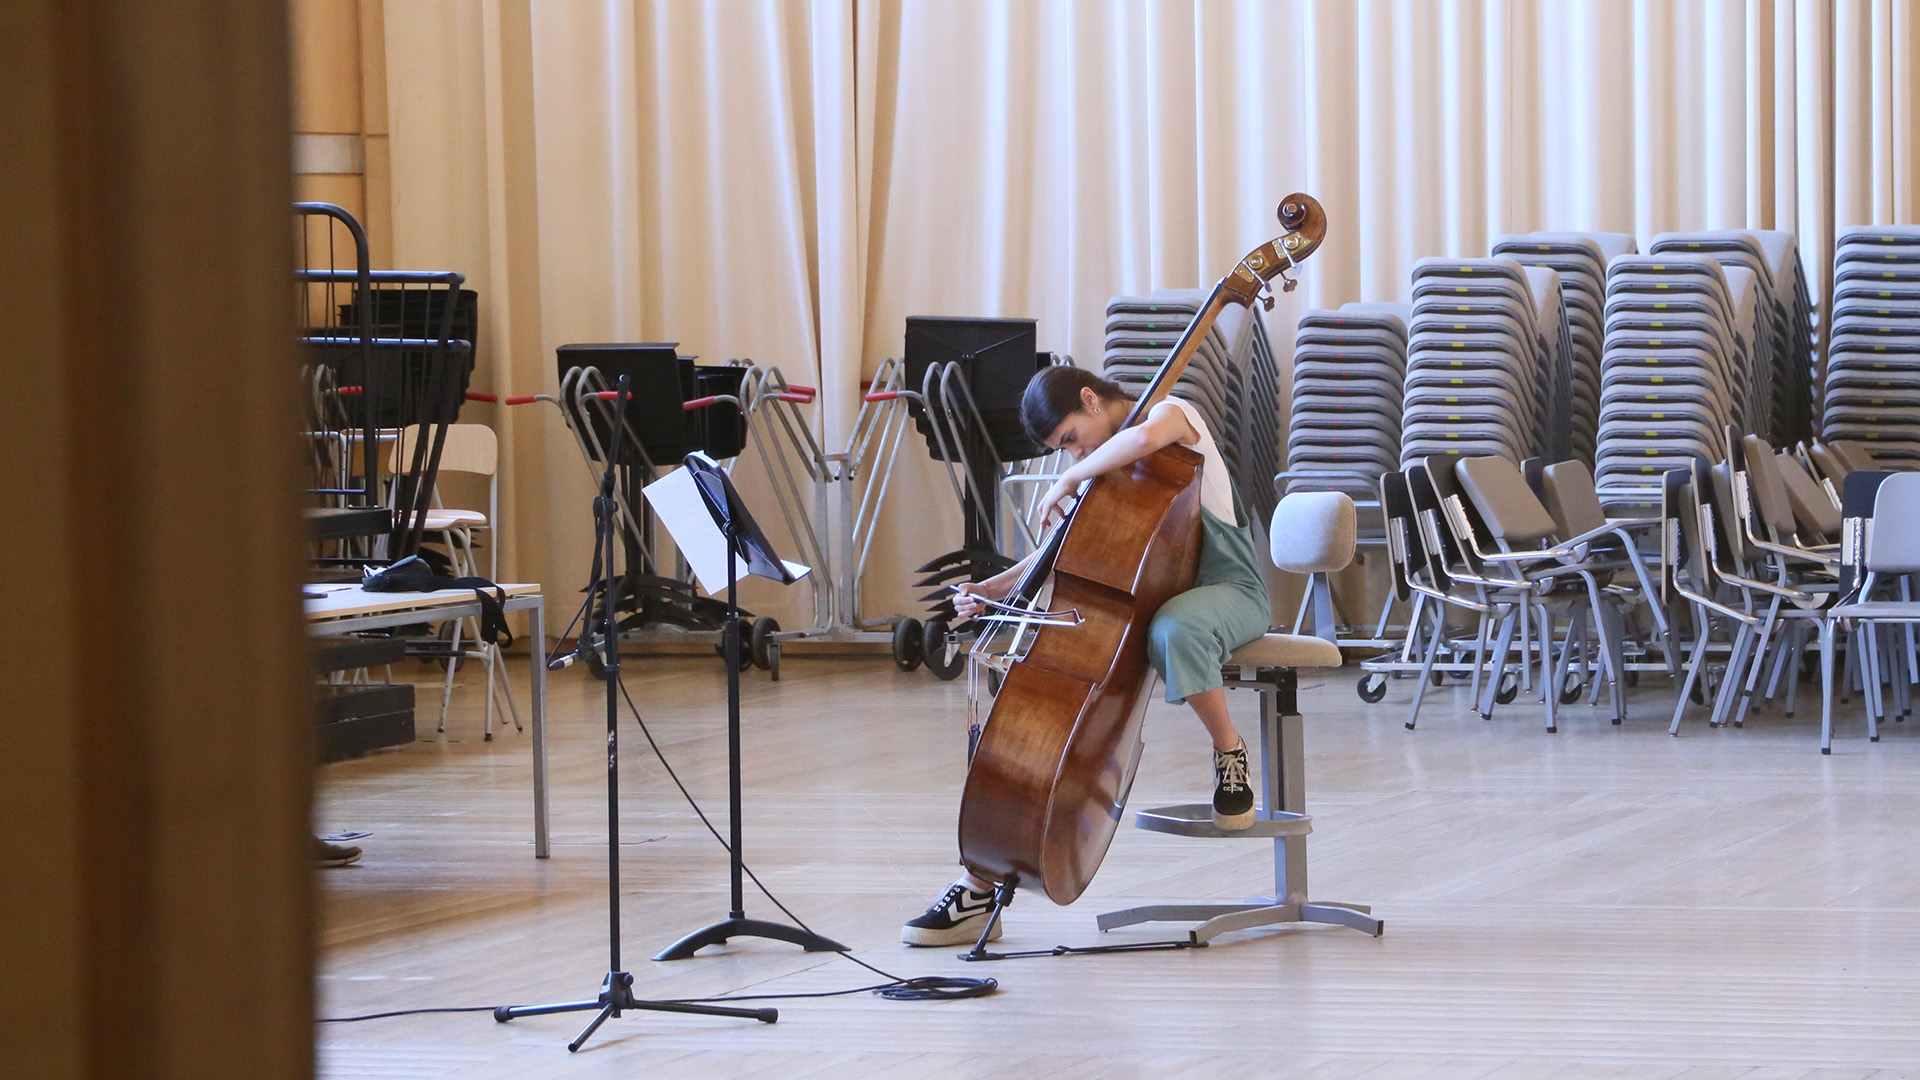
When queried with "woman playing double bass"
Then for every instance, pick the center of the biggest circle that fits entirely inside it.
(1191, 635)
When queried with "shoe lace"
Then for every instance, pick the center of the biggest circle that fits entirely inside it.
(947, 898)
(1231, 770)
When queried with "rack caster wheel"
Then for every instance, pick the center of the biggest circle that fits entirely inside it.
(1509, 689)
(760, 646)
(906, 644)
(746, 645)
(1570, 690)
(933, 650)
(1372, 687)
(1438, 678)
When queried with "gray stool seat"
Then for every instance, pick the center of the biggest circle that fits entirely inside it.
(1288, 651)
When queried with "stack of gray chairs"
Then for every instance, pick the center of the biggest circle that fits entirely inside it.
(1349, 374)
(1675, 370)
(1488, 362)
(1873, 358)
(1581, 261)
(1259, 423)
(1784, 354)
(1233, 380)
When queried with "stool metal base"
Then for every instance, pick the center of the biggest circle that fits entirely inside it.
(1282, 819)
(1217, 919)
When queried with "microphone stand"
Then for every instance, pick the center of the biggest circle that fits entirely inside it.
(616, 989)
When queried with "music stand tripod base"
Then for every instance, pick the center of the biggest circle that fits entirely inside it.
(616, 995)
(719, 932)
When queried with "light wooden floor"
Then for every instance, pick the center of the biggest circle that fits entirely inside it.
(1602, 903)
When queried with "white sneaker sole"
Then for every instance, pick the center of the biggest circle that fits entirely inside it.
(966, 933)
(1234, 822)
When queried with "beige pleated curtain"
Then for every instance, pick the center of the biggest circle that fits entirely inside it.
(787, 181)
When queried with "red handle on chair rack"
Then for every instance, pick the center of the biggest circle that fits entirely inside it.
(699, 403)
(523, 399)
(880, 395)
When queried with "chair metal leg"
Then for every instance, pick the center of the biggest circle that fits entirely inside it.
(1483, 627)
(1805, 639)
(1497, 669)
(1736, 666)
(1694, 666)
(1526, 642)
(1826, 686)
(1426, 666)
(1872, 692)
(1758, 662)
(453, 664)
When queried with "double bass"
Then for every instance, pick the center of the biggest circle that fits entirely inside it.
(1056, 758)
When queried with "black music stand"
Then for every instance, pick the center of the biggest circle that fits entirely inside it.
(743, 542)
(616, 990)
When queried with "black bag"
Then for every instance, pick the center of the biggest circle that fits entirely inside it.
(412, 574)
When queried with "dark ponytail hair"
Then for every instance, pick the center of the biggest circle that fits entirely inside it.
(1053, 394)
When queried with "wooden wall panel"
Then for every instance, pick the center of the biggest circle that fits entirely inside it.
(156, 754)
(325, 36)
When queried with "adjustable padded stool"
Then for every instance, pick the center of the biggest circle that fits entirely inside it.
(1313, 532)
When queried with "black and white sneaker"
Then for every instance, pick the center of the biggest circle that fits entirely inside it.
(1232, 795)
(955, 919)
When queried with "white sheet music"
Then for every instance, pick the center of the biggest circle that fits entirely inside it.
(676, 499)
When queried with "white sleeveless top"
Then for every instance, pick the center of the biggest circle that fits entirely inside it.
(1216, 486)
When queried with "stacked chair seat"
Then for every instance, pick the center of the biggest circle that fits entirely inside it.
(1872, 384)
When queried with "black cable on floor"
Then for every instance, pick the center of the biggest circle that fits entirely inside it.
(896, 988)
(401, 1012)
